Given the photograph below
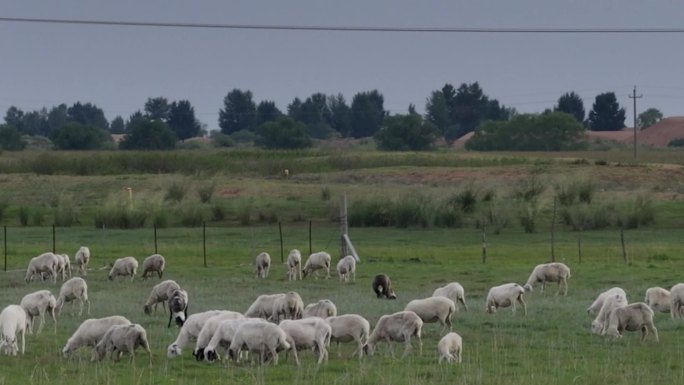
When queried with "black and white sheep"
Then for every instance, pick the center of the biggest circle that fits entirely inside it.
(454, 291)
(37, 304)
(323, 308)
(160, 293)
(74, 289)
(263, 264)
(178, 307)
(82, 258)
(349, 328)
(46, 263)
(309, 333)
(90, 332)
(611, 302)
(549, 272)
(222, 338)
(382, 286)
(123, 267)
(263, 338)
(658, 299)
(289, 306)
(433, 309)
(263, 306)
(190, 330)
(155, 263)
(677, 301)
(317, 261)
(13, 323)
(120, 339)
(294, 265)
(397, 327)
(595, 307)
(210, 328)
(346, 268)
(633, 317)
(450, 348)
(504, 296)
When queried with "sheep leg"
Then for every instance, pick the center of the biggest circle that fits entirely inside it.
(42, 322)
(23, 340)
(462, 300)
(522, 302)
(407, 349)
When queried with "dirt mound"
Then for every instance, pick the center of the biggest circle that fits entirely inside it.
(661, 133)
(624, 135)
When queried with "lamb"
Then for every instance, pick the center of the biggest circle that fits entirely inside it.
(433, 309)
(178, 307)
(160, 293)
(190, 330)
(347, 328)
(124, 267)
(264, 338)
(90, 332)
(223, 337)
(677, 301)
(346, 267)
(63, 265)
(121, 339)
(504, 296)
(317, 261)
(209, 329)
(633, 317)
(598, 302)
(610, 303)
(37, 304)
(658, 299)
(75, 288)
(309, 333)
(263, 265)
(382, 286)
(324, 308)
(263, 306)
(294, 265)
(450, 348)
(549, 272)
(454, 291)
(155, 263)
(46, 263)
(288, 306)
(13, 322)
(400, 326)
(82, 258)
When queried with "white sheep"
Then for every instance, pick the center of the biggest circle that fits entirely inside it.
(155, 263)
(264, 338)
(160, 293)
(294, 265)
(90, 332)
(348, 328)
(75, 288)
(124, 267)
(450, 348)
(210, 328)
(82, 258)
(63, 265)
(178, 307)
(263, 264)
(504, 296)
(222, 337)
(611, 302)
(454, 291)
(190, 330)
(598, 302)
(323, 308)
(317, 261)
(37, 304)
(433, 309)
(309, 333)
(46, 263)
(13, 323)
(120, 339)
(658, 299)
(263, 306)
(677, 301)
(550, 272)
(400, 326)
(633, 317)
(288, 306)
(346, 268)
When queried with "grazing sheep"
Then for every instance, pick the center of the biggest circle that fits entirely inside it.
(611, 302)
(124, 267)
(37, 304)
(324, 308)
(504, 296)
(454, 291)
(263, 306)
(264, 338)
(317, 261)
(288, 306)
(549, 272)
(13, 322)
(178, 307)
(598, 302)
(400, 326)
(209, 329)
(294, 265)
(450, 348)
(263, 265)
(63, 265)
(382, 286)
(46, 263)
(346, 267)
(120, 339)
(155, 263)
(309, 333)
(633, 317)
(90, 332)
(433, 309)
(75, 288)
(658, 299)
(677, 301)
(160, 293)
(190, 330)
(223, 337)
(82, 258)
(348, 328)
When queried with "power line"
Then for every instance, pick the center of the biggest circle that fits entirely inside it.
(331, 28)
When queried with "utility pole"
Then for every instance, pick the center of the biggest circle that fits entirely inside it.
(634, 97)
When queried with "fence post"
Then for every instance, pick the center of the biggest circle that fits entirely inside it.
(53, 238)
(310, 251)
(5, 241)
(553, 232)
(579, 245)
(280, 231)
(622, 241)
(484, 242)
(155, 239)
(204, 242)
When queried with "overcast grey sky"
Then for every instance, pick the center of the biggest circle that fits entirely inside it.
(119, 67)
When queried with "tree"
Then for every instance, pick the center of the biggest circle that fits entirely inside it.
(13, 117)
(340, 114)
(238, 113)
(35, 123)
(649, 117)
(367, 114)
(314, 113)
(406, 133)
(267, 112)
(149, 135)
(10, 138)
(135, 120)
(117, 126)
(77, 136)
(57, 117)
(182, 120)
(284, 133)
(88, 115)
(157, 109)
(572, 104)
(606, 114)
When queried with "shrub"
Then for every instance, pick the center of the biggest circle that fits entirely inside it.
(267, 216)
(3, 207)
(175, 192)
(23, 215)
(149, 135)
(410, 211)
(679, 142)
(373, 212)
(218, 212)
(206, 192)
(118, 213)
(529, 189)
(642, 213)
(528, 217)
(66, 213)
(325, 193)
(244, 213)
(466, 199)
(191, 215)
(38, 217)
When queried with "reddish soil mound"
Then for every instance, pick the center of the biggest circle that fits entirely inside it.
(661, 133)
(624, 135)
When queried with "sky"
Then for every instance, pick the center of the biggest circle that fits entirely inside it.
(119, 67)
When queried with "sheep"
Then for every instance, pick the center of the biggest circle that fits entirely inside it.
(160, 293)
(400, 326)
(210, 328)
(264, 338)
(677, 301)
(124, 267)
(222, 337)
(178, 307)
(450, 348)
(633, 317)
(263, 306)
(382, 286)
(309, 333)
(75, 288)
(294, 265)
(611, 302)
(153, 263)
(598, 302)
(347, 328)
(324, 308)
(63, 265)
(190, 330)
(658, 299)
(346, 267)
(288, 306)
(120, 339)
(263, 265)
(46, 263)
(37, 304)
(454, 291)
(82, 258)
(13, 322)
(504, 296)
(90, 332)
(433, 309)
(549, 272)
(317, 261)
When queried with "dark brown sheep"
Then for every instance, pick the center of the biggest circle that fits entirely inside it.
(382, 286)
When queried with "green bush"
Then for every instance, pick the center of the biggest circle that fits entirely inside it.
(218, 212)
(191, 215)
(206, 192)
(24, 216)
(66, 213)
(3, 207)
(529, 189)
(175, 192)
(527, 216)
(642, 213)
